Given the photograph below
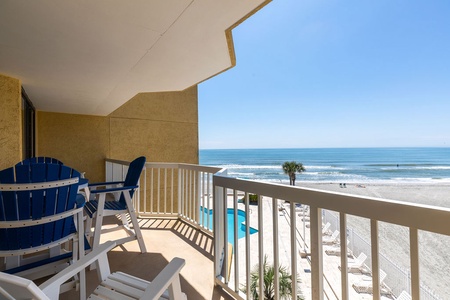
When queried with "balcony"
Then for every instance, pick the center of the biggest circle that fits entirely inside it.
(173, 198)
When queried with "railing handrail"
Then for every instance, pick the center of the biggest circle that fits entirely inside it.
(183, 166)
(419, 216)
(118, 161)
(173, 165)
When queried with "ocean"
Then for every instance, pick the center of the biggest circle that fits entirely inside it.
(346, 165)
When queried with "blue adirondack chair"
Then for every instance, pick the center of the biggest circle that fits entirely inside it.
(38, 214)
(100, 207)
(40, 159)
(81, 197)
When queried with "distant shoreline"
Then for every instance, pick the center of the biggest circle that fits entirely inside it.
(357, 184)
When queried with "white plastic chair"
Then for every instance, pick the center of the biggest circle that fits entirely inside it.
(117, 285)
(99, 208)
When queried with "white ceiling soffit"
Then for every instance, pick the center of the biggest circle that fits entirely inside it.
(90, 57)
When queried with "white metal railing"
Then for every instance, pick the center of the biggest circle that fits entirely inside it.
(413, 216)
(171, 190)
(399, 278)
(190, 192)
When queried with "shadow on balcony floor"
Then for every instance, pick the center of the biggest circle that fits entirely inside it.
(166, 239)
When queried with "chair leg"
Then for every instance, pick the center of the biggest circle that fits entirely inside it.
(175, 289)
(88, 229)
(98, 221)
(88, 226)
(133, 218)
(80, 243)
(124, 219)
(137, 231)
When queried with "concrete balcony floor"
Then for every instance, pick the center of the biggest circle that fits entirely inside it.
(165, 239)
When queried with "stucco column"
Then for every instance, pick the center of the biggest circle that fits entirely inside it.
(10, 121)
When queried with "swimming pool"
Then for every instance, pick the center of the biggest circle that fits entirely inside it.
(208, 213)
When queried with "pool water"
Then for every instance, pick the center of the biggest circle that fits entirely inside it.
(208, 213)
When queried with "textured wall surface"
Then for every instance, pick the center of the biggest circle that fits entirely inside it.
(10, 122)
(80, 141)
(161, 126)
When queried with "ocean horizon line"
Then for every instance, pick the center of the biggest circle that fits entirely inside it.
(362, 147)
(429, 164)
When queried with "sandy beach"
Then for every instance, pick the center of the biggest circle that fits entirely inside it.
(394, 240)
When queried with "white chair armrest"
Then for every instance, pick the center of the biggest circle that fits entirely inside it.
(51, 287)
(168, 278)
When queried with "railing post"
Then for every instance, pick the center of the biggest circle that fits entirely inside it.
(158, 191)
(247, 244)
(236, 243)
(375, 259)
(145, 190)
(276, 263)
(224, 224)
(316, 253)
(294, 250)
(180, 191)
(198, 193)
(218, 229)
(260, 245)
(414, 253)
(344, 272)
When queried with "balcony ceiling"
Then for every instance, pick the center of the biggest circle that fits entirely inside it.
(90, 57)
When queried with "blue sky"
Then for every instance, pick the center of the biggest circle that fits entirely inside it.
(334, 74)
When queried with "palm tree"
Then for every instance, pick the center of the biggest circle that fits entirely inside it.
(285, 282)
(291, 168)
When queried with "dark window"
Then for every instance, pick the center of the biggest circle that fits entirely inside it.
(28, 126)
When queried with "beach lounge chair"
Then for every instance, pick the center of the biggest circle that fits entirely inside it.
(300, 208)
(365, 286)
(358, 264)
(39, 213)
(117, 285)
(404, 296)
(100, 207)
(333, 239)
(325, 228)
(336, 250)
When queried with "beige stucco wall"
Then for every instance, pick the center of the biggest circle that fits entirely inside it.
(10, 121)
(80, 141)
(161, 126)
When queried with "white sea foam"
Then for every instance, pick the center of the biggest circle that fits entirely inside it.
(250, 167)
(278, 167)
(433, 168)
(239, 174)
(324, 168)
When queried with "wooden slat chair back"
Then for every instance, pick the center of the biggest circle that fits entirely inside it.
(100, 207)
(38, 211)
(40, 160)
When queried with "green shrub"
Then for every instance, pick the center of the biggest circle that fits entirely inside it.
(253, 199)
